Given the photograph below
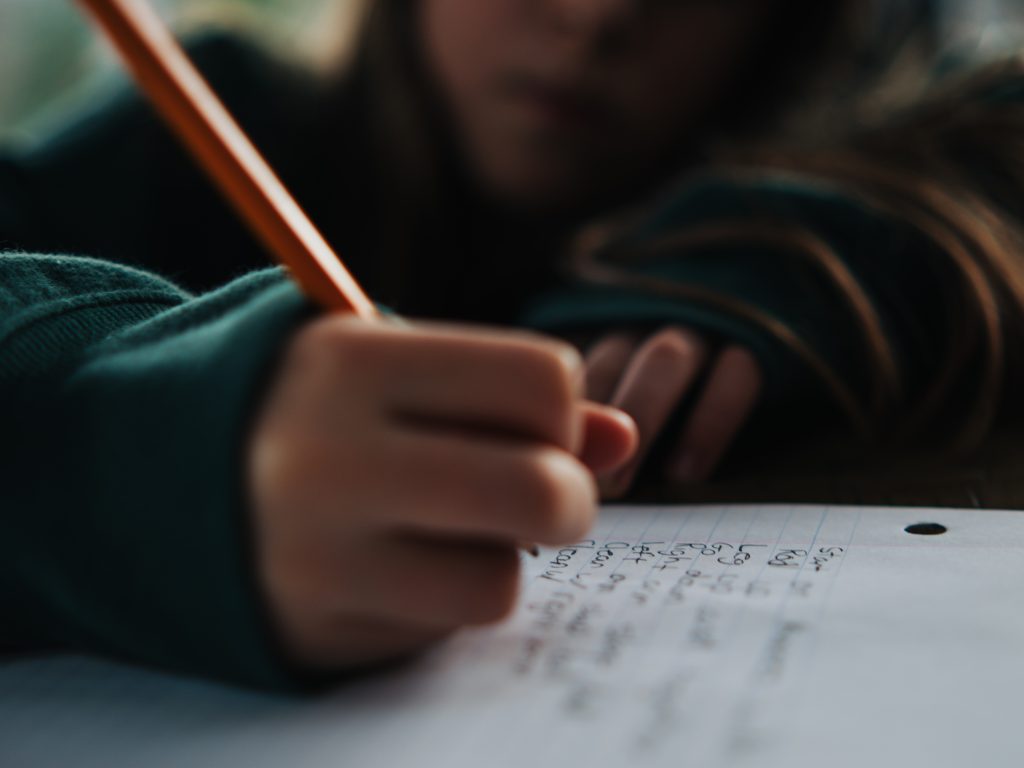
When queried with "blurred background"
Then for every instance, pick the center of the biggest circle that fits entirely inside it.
(50, 60)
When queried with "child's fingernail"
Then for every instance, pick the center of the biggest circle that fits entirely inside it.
(685, 469)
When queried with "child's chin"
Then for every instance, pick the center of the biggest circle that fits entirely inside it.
(537, 190)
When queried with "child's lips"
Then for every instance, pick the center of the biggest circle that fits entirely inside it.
(563, 108)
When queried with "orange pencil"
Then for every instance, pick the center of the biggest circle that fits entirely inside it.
(191, 108)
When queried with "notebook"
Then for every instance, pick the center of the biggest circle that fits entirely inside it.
(798, 636)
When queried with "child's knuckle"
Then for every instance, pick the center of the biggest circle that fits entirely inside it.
(550, 488)
(351, 352)
(348, 343)
(555, 363)
(567, 358)
(320, 333)
(543, 488)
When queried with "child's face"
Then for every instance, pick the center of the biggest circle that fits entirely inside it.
(558, 102)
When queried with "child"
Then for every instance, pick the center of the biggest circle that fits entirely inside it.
(202, 475)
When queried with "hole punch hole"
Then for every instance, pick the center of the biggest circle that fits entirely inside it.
(926, 529)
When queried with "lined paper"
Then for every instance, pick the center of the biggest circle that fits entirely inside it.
(710, 636)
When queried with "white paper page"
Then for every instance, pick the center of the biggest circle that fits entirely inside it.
(703, 636)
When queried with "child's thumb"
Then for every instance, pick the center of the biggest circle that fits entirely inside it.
(610, 438)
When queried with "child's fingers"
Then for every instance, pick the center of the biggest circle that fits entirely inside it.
(732, 392)
(374, 434)
(611, 438)
(471, 486)
(396, 595)
(508, 382)
(434, 584)
(423, 587)
(331, 641)
(605, 361)
(658, 377)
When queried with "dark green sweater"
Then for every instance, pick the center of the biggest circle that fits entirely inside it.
(125, 400)
(126, 404)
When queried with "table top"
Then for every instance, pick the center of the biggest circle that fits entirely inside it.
(836, 472)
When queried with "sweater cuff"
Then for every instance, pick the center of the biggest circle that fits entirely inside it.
(147, 553)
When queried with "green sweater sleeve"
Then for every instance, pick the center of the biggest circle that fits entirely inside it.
(655, 274)
(125, 409)
(867, 266)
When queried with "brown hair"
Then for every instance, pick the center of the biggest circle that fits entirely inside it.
(950, 165)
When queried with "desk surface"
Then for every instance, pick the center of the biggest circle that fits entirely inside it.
(824, 471)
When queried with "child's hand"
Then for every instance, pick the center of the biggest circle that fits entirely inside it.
(648, 378)
(395, 471)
